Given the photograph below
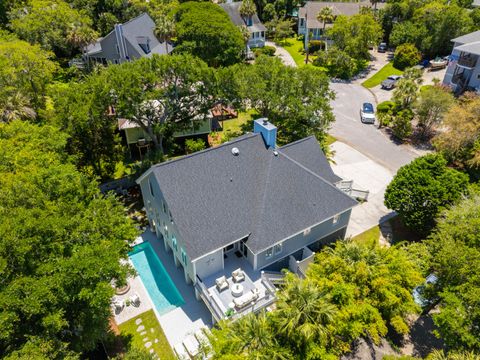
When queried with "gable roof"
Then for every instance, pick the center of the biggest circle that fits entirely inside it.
(233, 11)
(312, 8)
(468, 38)
(140, 26)
(217, 198)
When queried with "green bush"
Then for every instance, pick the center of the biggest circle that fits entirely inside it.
(385, 112)
(406, 55)
(402, 124)
(316, 45)
(337, 62)
(192, 145)
(266, 50)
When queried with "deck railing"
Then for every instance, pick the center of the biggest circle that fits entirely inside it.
(217, 313)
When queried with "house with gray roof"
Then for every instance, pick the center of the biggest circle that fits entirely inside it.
(255, 27)
(307, 15)
(131, 40)
(246, 204)
(463, 71)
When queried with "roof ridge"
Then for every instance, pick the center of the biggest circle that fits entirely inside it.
(314, 174)
(135, 18)
(225, 144)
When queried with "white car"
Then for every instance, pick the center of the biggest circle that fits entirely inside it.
(367, 114)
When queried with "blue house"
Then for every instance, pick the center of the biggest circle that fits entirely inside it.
(234, 215)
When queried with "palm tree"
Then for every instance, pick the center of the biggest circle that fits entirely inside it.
(247, 9)
(326, 16)
(303, 312)
(165, 30)
(16, 107)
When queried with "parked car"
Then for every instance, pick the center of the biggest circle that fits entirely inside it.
(382, 47)
(367, 114)
(389, 83)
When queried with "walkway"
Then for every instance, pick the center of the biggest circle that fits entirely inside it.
(283, 54)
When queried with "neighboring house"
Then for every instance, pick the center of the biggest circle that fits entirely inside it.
(131, 40)
(476, 3)
(307, 15)
(253, 23)
(245, 204)
(463, 71)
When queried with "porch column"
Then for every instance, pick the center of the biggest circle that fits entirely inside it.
(187, 278)
(177, 263)
(197, 294)
(167, 248)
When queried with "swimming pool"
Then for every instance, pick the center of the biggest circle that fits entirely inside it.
(165, 296)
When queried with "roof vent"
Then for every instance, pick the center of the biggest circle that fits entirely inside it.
(265, 121)
(235, 151)
(275, 152)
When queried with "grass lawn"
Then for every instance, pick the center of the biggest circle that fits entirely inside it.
(130, 336)
(234, 127)
(295, 48)
(368, 237)
(381, 75)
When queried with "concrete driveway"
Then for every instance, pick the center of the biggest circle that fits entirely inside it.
(366, 174)
(283, 54)
(365, 138)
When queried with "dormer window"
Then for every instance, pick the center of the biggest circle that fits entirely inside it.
(144, 43)
(249, 20)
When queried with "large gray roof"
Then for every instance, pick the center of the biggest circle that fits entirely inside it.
(467, 38)
(233, 11)
(312, 8)
(217, 198)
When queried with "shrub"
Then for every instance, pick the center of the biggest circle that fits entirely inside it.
(402, 124)
(406, 55)
(266, 50)
(192, 145)
(337, 62)
(316, 45)
(385, 112)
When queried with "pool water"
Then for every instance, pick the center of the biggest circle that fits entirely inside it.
(160, 287)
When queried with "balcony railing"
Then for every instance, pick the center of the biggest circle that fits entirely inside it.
(467, 61)
(269, 298)
(459, 79)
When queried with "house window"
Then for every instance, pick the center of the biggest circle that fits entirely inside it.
(184, 256)
(302, 22)
(151, 188)
(277, 249)
(174, 243)
(263, 34)
(249, 21)
(335, 218)
(228, 248)
(269, 253)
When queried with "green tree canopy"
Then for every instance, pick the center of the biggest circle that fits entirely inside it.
(431, 107)
(52, 24)
(406, 55)
(25, 71)
(422, 189)
(295, 100)
(217, 41)
(60, 247)
(355, 34)
(455, 249)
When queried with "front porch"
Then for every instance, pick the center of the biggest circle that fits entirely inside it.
(237, 300)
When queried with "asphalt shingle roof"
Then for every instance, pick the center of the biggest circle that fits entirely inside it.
(233, 11)
(217, 198)
(312, 8)
(468, 38)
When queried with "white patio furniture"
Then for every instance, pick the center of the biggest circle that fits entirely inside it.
(181, 352)
(118, 305)
(221, 283)
(237, 290)
(192, 345)
(135, 300)
(246, 299)
(238, 275)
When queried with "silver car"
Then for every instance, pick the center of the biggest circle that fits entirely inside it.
(367, 114)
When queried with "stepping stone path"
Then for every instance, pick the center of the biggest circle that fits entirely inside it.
(140, 328)
(138, 321)
(152, 330)
(156, 341)
(151, 351)
(145, 339)
(143, 333)
(148, 344)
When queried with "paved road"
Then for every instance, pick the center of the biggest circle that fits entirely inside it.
(365, 138)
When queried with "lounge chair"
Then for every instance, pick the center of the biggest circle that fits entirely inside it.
(135, 300)
(238, 275)
(181, 352)
(118, 306)
(221, 283)
(248, 298)
(192, 345)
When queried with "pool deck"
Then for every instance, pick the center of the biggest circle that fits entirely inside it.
(181, 321)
